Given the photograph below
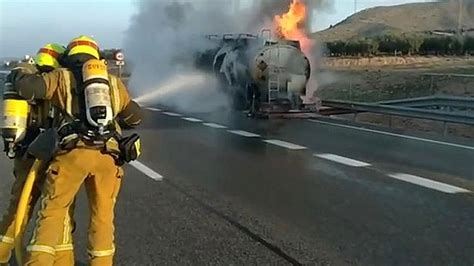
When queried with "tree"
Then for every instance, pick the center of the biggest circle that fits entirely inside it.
(415, 44)
(469, 45)
(454, 46)
(432, 45)
(391, 44)
(337, 48)
(364, 47)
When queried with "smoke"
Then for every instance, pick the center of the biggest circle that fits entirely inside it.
(316, 7)
(269, 8)
(161, 44)
(165, 35)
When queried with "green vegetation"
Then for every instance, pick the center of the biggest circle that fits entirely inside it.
(402, 45)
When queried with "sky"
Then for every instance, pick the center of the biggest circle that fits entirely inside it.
(26, 25)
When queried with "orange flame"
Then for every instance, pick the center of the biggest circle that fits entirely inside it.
(291, 25)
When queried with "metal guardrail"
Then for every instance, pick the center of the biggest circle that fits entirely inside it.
(435, 101)
(437, 115)
(457, 75)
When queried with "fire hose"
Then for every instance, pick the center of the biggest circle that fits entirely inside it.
(22, 208)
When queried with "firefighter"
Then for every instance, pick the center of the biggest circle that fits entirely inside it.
(93, 107)
(46, 60)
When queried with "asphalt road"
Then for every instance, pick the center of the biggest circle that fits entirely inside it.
(239, 191)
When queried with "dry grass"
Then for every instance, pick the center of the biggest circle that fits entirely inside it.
(417, 18)
(400, 62)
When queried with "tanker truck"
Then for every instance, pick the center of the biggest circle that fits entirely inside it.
(258, 73)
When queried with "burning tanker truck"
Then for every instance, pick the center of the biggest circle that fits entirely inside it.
(262, 73)
(258, 73)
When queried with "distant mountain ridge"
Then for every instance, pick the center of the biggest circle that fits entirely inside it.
(409, 19)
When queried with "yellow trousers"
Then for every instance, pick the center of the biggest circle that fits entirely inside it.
(65, 175)
(21, 168)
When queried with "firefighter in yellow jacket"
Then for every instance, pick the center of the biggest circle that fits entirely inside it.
(46, 60)
(93, 107)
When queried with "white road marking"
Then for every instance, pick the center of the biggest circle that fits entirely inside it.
(420, 181)
(146, 170)
(171, 114)
(213, 125)
(284, 144)
(395, 135)
(191, 119)
(153, 109)
(244, 133)
(342, 160)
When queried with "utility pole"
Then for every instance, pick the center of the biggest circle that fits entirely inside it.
(461, 7)
(355, 6)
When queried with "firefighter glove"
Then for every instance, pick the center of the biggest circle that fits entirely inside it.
(130, 148)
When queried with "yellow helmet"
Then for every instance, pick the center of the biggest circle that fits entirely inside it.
(83, 45)
(49, 55)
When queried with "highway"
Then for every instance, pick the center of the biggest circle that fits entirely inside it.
(222, 189)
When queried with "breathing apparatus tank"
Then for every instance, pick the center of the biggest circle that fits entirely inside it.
(97, 94)
(14, 119)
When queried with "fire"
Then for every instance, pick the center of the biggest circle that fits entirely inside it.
(291, 25)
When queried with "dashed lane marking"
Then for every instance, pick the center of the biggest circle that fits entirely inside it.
(285, 144)
(342, 160)
(192, 119)
(153, 109)
(213, 125)
(420, 181)
(244, 133)
(395, 135)
(171, 114)
(146, 170)
(431, 184)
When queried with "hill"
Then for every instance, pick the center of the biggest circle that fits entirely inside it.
(407, 19)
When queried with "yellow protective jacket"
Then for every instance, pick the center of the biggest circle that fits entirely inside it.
(59, 87)
(39, 109)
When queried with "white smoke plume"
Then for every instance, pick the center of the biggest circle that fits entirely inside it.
(161, 43)
(165, 35)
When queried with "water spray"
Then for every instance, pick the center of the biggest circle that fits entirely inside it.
(177, 84)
